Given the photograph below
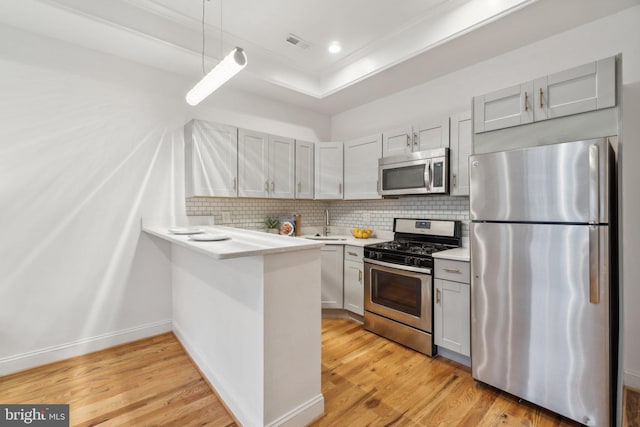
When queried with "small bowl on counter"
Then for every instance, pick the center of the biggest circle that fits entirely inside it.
(361, 233)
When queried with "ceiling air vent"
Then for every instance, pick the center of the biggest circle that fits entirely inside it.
(298, 41)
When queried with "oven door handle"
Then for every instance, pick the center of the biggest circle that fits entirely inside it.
(398, 266)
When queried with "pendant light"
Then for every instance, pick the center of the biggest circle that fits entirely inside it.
(230, 65)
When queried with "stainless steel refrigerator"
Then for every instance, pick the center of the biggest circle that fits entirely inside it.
(544, 304)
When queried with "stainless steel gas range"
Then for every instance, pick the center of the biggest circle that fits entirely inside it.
(398, 292)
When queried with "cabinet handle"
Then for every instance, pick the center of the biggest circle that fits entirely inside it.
(235, 184)
(299, 187)
(437, 296)
(408, 141)
(451, 270)
(266, 186)
(360, 276)
(541, 94)
(273, 186)
(339, 188)
(526, 101)
(415, 139)
(352, 253)
(454, 179)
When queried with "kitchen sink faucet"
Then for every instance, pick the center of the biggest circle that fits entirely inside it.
(325, 229)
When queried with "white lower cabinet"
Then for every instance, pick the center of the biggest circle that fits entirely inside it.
(451, 308)
(354, 279)
(332, 263)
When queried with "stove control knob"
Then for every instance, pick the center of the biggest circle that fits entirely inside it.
(378, 255)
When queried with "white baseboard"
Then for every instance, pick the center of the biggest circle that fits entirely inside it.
(43, 356)
(631, 379)
(302, 415)
(215, 382)
(456, 357)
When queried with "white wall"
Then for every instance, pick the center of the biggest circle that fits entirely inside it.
(618, 33)
(89, 144)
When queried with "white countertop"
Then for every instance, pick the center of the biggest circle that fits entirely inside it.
(457, 254)
(347, 240)
(242, 243)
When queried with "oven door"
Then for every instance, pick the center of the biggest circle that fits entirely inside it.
(400, 293)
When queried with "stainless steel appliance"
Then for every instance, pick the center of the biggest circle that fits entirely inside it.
(543, 279)
(398, 281)
(423, 172)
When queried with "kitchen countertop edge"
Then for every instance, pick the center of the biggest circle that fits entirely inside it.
(226, 252)
(456, 254)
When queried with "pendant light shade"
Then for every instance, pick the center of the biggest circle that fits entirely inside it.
(235, 61)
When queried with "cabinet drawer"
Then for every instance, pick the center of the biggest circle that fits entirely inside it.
(458, 271)
(353, 253)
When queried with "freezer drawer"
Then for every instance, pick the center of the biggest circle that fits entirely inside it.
(566, 182)
(540, 315)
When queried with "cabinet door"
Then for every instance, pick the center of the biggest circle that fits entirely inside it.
(354, 287)
(459, 155)
(361, 167)
(211, 159)
(281, 167)
(430, 135)
(304, 170)
(253, 164)
(451, 316)
(331, 257)
(585, 88)
(328, 170)
(503, 108)
(397, 141)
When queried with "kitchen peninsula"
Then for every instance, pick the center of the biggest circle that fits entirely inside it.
(247, 310)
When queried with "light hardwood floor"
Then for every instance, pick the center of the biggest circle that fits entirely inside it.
(366, 381)
(151, 382)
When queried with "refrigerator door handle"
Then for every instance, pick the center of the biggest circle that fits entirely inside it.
(594, 263)
(594, 185)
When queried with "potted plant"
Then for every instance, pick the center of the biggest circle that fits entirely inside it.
(272, 224)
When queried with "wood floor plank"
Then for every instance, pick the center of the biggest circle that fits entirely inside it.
(367, 380)
(631, 408)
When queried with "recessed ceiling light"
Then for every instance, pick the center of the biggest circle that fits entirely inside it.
(334, 47)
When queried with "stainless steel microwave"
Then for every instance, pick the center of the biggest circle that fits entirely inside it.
(423, 172)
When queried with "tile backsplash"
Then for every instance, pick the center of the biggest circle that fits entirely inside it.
(379, 214)
(375, 214)
(251, 213)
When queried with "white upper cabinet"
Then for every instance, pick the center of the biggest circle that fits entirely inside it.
(397, 141)
(419, 137)
(431, 135)
(361, 167)
(461, 134)
(503, 108)
(281, 167)
(580, 89)
(211, 159)
(265, 165)
(328, 170)
(304, 170)
(253, 164)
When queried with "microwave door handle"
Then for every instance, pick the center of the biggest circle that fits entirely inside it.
(427, 175)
